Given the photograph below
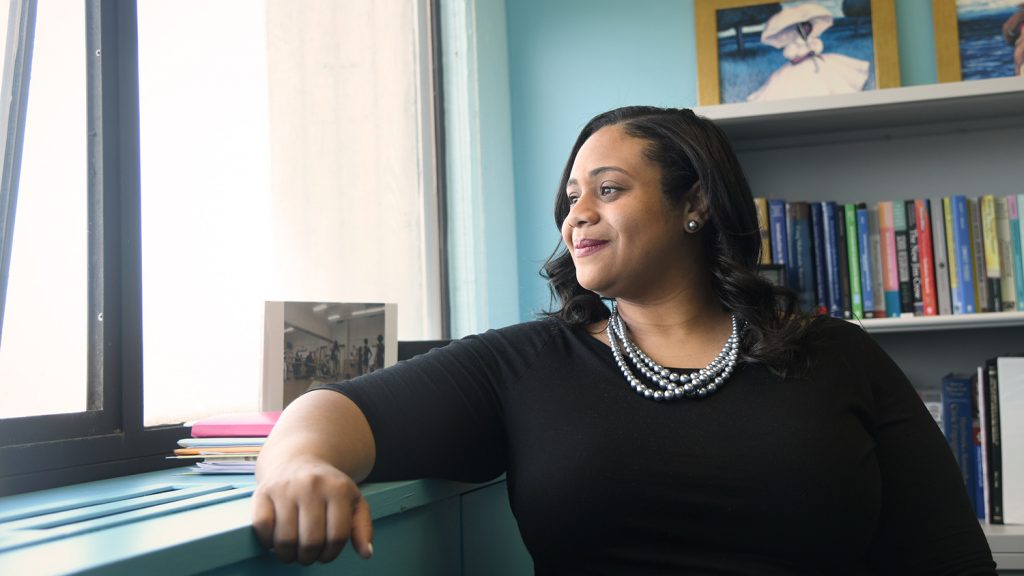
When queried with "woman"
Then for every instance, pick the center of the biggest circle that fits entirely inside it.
(786, 445)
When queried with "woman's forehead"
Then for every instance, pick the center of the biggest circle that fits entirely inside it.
(611, 146)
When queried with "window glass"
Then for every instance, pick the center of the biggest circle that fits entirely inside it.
(204, 144)
(43, 351)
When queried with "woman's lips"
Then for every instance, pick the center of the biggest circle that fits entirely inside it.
(587, 246)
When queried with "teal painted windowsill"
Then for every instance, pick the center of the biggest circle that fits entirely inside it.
(188, 524)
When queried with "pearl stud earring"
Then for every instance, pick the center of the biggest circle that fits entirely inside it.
(692, 226)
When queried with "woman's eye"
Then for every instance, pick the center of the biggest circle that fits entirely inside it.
(572, 199)
(608, 190)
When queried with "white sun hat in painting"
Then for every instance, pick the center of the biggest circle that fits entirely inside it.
(781, 29)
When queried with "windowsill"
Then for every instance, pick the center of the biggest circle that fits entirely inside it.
(191, 540)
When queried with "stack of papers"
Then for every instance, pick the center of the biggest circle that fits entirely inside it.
(227, 443)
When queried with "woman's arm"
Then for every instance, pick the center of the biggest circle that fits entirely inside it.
(307, 504)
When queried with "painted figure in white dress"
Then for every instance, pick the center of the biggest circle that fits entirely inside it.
(797, 30)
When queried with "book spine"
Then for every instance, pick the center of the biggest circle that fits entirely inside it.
(957, 421)
(761, 206)
(995, 453)
(963, 250)
(899, 223)
(924, 244)
(777, 220)
(835, 296)
(990, 244)
(981, 298)
(867, 281)
(856, 303)
(1004, 239)
(979, 485)
(1020, 255)
(942, 289)
(914, 258)
(890, 270)
(844, 264)
(1013, 207)
(981, 382)
(876, 262)
(818, 248)
(801, 271)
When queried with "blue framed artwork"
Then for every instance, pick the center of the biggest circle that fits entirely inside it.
(978, 39)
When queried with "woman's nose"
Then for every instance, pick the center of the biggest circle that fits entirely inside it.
(582, 212)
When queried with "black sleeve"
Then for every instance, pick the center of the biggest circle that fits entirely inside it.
(926, 525)
(439, 415)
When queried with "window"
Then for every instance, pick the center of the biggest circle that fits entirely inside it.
(283, 152)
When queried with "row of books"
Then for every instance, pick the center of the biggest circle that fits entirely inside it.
(980, 415)
(921, 257)
(226, 443)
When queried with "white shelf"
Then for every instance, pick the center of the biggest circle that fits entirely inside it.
(947, 322)
(1007, 544)
(894, 112)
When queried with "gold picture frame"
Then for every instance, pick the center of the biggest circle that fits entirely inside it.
(950, 66)
(709, 81)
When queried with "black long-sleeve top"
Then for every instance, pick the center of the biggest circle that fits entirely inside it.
(839, 471)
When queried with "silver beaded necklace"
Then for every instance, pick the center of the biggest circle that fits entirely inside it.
(669, 385)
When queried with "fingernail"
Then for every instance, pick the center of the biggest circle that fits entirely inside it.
(369, 551)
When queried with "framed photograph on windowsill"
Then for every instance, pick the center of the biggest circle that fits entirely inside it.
(978, 39)
(759, 50)
(310, 343)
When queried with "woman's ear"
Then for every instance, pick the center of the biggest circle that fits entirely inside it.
(695, 204)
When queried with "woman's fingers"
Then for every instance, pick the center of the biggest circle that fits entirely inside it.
(312, 528)
(286, 530)
(338, 526)
(263, 518)
(310, 516)
(362, 528)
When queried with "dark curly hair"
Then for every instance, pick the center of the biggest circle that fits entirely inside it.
(692, 150)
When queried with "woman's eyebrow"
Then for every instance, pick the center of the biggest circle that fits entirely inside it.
(597, 172)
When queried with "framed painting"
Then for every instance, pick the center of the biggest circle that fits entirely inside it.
(759, 50)
(977, 39)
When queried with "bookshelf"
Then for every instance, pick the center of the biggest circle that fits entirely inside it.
(894, 144)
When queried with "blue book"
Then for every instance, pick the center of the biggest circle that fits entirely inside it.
(979, 475)
(777, 226)
(834, 291)
(821, 289)
(867, 278)
(958, 427)
(963, 249)
(801, 264)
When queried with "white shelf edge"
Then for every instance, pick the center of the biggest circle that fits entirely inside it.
(870, 98)
(948, 322)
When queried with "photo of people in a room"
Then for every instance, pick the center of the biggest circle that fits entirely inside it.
(331, 342)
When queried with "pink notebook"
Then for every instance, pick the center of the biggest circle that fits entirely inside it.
(241, 424)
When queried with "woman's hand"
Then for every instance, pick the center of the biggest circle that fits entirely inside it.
(307, 510)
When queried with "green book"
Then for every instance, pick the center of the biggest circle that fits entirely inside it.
(853, 260)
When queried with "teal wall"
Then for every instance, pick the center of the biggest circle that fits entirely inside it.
(571, 59)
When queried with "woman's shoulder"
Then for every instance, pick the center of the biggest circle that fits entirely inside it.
(531, 332)
(829, 335)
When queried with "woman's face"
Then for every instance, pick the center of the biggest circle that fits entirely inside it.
(624, 236)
